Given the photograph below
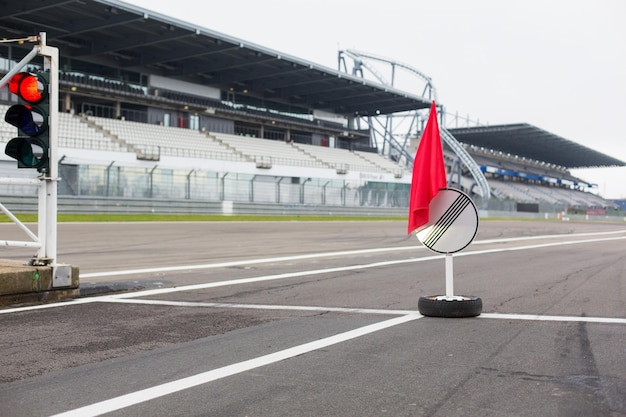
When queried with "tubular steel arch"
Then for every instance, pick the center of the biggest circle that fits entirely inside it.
(392, 133)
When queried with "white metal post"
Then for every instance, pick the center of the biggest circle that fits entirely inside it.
(51, 178)
(41, 222)
(449, 276)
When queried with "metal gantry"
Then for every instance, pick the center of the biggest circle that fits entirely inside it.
(392, 133)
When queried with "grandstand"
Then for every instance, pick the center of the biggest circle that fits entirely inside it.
(189, 113)
(529, 165)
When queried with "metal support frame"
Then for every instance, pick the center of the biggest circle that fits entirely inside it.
(391, 133)
(108, 178)
(46, 238)
(151, 181)
(222, 189)
(468, 161)
(302, 189)
(278, 188)
(251, 189)
(188, 185)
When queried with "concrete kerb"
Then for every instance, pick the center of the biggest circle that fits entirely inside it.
(20, 283)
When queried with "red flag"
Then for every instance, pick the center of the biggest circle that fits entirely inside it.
(429, 172)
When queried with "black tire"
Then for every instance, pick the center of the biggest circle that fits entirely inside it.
(460, 306)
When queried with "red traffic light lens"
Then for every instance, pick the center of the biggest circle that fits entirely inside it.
(14, 83)
(28, 86)
(31, 89)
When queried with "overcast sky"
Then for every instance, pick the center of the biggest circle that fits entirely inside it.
(557, 64)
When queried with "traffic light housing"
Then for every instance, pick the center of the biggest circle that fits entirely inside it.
(30, 116)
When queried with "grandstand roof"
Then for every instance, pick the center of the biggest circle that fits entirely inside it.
(531, 142)
(96, 36)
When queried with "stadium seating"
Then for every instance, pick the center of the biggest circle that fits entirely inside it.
(267, 152)
(77, 134)
(162, 140)
(340, 159)
(382, 162)
(105, 134)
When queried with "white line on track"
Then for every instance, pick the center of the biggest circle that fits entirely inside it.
(263, 306)
(247, 262)
(502, 316)
(207, 285)
(325, 255)
(537, 317)
(346, 268)
(559, 236)
(157, 391)
(171, 387)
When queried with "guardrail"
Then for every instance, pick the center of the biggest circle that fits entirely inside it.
(95, 205)
(112, 205)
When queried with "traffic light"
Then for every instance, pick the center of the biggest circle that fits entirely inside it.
(30, 116)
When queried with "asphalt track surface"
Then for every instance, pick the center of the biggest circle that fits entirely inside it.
(320, 319)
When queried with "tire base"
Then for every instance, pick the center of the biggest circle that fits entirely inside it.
(458, 307)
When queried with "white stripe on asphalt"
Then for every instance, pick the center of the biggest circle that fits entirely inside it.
(537, 317)
(247, 262)
(162, 390)
(348, 310)
(322, 255)
(346, 268)
(300, 274)
(157, 391)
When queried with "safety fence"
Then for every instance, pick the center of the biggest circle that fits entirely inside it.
(124, 182)
(125, 189)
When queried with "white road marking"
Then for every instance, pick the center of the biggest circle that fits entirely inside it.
(301, 273)
(501, 316)
(157, 391)
(517, 239)
(271, 277)
(539, 246)
(50, 305)
(346, 268)
(248, 262)
(348, 310)
(537, 317)
(323, 255)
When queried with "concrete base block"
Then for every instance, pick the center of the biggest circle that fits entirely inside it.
(20, 283)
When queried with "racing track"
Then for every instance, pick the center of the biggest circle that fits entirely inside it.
(320, 319)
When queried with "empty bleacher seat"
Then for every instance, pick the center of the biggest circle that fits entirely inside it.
(170, 141)
(339, 159)
(259, 150)
(73, 133)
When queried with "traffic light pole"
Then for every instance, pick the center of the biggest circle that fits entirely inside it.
(46, 241)
(48, 230)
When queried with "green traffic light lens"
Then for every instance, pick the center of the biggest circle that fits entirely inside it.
(33, 154)
(29, 152)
